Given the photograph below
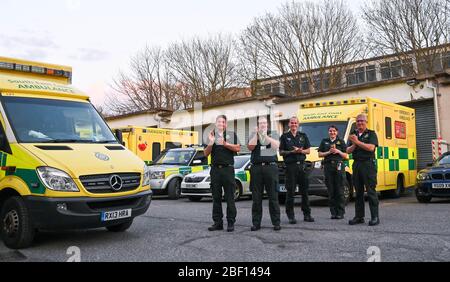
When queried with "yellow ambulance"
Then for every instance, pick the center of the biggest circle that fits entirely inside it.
(395, 126)
(61, 165)
(148, 143)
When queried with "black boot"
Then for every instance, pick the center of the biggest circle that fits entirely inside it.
(215, 227)
(356, 220)
(230, 227)
(374, 221)
(308, 218)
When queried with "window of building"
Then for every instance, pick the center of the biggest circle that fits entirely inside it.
(388, 127)
(371, 74)
(304, 85)
(446, 60)
(361, 75)
(396, 69)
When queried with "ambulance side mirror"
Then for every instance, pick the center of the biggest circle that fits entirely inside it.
(119, 136)
(248, 167)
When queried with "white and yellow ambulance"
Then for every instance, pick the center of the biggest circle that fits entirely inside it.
(395, 126)
(61, 165)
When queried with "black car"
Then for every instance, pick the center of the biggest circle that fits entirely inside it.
(434, 181)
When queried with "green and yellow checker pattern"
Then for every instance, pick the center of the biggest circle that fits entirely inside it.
(28, 175)
(393, 159)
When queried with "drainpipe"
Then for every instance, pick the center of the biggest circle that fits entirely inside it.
(436, 108)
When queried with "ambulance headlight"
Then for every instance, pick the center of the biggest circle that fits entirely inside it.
(208, 179)
(146, 176)
(56, 180)
(157, 175)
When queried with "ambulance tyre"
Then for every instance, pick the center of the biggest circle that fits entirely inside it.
(195, 198)
(120, 227)
(399, 190)
(16, 228)
(174, 189)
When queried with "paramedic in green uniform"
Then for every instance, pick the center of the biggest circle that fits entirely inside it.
(362, 144)
(264, 173)
(333, 150)
(294, 146)
(223, 145)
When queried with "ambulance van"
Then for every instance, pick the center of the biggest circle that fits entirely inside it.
(61, 166)
(395, 126)
(149, 143)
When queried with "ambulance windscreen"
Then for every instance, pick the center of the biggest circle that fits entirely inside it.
(316, 131)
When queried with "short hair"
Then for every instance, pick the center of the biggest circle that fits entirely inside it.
(333, 126)
(292, 117)
(362, 115)
(261, 117)
(222, 116)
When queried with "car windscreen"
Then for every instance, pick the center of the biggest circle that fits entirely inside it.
(316, 131)
(55, 121)
(240, 161)
(445, 160)
(176, 157)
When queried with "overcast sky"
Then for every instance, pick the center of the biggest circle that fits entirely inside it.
(97, 37)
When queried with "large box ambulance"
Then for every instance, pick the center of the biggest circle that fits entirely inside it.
(395, 126)
(61, 165)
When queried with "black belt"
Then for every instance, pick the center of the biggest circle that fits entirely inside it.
(364, 160)
(332, 162)
(221, 166)
(296, 163)
(266, 163)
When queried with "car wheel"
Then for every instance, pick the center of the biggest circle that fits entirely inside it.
(347, 192)
(120, 227)
(17, 230)
(237, 191)
(195, 198)
(423, 199)
(174, 189)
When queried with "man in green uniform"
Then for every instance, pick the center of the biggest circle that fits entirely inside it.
(264, 173)
(333, 150)
(362, 144)
(294, 146)
(222, 145)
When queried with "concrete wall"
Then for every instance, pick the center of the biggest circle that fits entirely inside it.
(444, 111)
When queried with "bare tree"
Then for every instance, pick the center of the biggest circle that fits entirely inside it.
(148, 85)
(411, 29)
(205, 67)
(305, 44)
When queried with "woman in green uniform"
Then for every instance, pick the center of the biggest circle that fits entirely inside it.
(333, 150)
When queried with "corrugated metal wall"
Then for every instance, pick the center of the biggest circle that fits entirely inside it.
(425, 130)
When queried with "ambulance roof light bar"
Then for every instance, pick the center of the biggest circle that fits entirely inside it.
(333, 103)
(35, 69)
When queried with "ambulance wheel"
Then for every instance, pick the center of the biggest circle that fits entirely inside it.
(17, 230)
(195, 198)
(120, 227)
(174, 189)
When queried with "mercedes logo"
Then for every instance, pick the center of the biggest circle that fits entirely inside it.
(116, 182)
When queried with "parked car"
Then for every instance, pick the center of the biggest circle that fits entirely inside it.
(197, 185)
(434, 181)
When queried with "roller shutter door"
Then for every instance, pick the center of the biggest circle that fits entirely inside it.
(425, 130)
